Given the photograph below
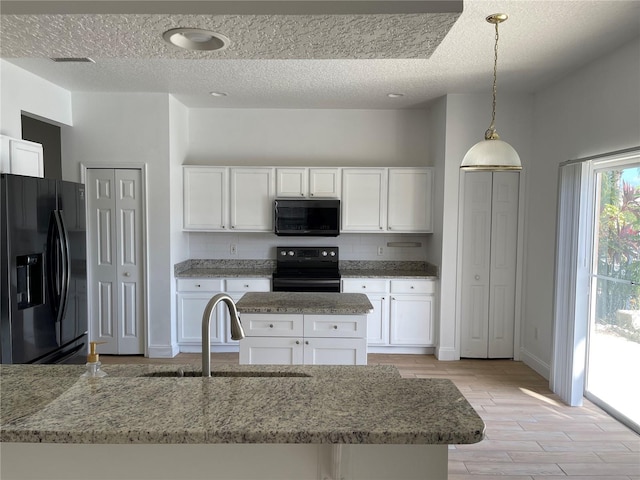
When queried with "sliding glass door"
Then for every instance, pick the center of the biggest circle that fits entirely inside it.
(613, 353)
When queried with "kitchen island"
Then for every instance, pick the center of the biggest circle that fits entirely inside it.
(304, 328)
(258, 422)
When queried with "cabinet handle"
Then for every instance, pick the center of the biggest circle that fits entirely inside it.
(389, 228)
(393, 298)
(364, 286)
(307, 342)
(233, 226)
(302, 194)
(197, 285)
(271, 325)
(311, 194)
(335, 327)
(380, 228)
(297, 342)
(223, 226)
(412, 287)
(247, 286)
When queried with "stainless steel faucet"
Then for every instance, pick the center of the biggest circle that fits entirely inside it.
(237, 333)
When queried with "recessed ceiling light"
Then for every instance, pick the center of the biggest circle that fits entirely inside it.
(195, 39)
(395, 95)
(218, 94)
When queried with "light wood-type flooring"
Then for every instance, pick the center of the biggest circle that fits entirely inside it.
(530, 435)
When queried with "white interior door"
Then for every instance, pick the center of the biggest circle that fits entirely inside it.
(476, 243)
(116, 250)
(489, 247)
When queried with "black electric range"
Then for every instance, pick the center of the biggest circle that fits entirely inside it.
(306, 269)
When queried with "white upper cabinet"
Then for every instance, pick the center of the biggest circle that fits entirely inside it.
(206, 198)
(410, 205)
(364, 199)
(292, 182)
(21, 157)
(324, 182)
(252, 194)
(308, 182)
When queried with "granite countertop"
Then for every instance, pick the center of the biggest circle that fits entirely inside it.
(204, 268)
(305, 303)
(323, 404)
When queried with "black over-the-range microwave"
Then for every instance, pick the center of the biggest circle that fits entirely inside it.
(307, 217)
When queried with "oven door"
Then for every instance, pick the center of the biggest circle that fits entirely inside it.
(296, 284)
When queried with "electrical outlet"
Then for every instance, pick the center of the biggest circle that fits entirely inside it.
(379, 250)
(234, 249)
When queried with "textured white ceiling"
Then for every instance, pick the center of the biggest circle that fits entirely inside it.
(350, 60)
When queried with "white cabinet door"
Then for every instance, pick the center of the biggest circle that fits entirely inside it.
(21, 157)
(378, 320)
(206, 196)
(335, 351)
(252, 195)
(324, 182)
(190, 309)
(364, 199)
(489, 240)
(292, 182)
(271, 351)
(412, 320)
(410, 200)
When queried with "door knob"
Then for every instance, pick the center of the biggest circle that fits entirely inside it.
(126, 274)
(477, 277)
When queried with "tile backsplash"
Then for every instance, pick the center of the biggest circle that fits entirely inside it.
(261, 246)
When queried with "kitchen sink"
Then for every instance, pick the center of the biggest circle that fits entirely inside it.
(230, 373)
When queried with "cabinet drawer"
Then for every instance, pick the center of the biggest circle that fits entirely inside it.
(199, 284)
(364, 285)
(248, 285)
(413, 286)
(272, 324)
(335, 326)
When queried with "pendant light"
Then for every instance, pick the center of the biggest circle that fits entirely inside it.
(492, 154)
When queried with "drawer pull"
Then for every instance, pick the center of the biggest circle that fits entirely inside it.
(197, 285)
(307, 342)
(297, 342)
(364, 286)
(412, 287)
(335, 327)
(271, 325)
(247, 286)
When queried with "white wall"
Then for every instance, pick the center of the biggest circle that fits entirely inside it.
(178, 145)
(308, 137)
(22, 91)
(594, 110)
(119, 129)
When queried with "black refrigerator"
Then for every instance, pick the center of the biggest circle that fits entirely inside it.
(43, 309)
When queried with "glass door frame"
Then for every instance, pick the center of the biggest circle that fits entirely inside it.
(596, 168)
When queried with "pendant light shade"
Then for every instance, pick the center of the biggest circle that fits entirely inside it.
(492, 154)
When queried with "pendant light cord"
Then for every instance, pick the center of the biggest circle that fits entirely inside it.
(491, 133)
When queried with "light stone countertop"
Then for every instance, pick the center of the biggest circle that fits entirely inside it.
(323, 404)
(305, 303)
(196, 268)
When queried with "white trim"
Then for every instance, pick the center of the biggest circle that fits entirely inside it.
(145, 235)
(401, 350)
(535, 363)
(447, 354)
(163, 351)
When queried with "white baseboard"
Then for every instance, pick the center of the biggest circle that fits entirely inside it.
(535, 363)
(214, 349)
(446, 354)
(401, 350)
(163, 351)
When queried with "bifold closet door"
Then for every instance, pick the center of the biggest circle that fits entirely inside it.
(117, 277)
(489, 249)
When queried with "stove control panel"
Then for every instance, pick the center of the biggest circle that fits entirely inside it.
(307, 254)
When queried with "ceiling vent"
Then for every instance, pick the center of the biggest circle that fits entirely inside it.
(73, 60)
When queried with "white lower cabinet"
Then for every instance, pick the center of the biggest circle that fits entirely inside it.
(403, 311)
(290, 339)
(192, 298)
